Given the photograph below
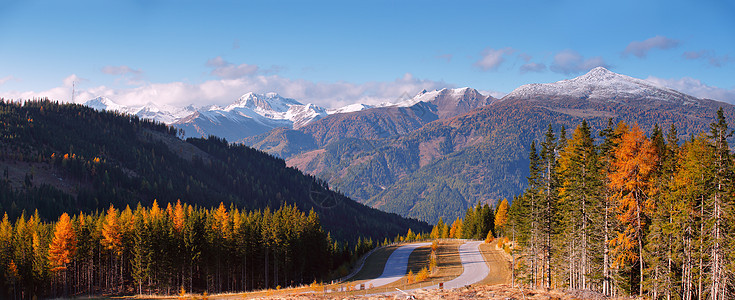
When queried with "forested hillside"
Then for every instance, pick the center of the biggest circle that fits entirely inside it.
(449, 165)
(629, 213)
(67, 158)
(163, 250)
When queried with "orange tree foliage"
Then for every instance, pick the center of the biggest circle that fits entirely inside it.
(215, 250)
(64, 244)
(112, 232)
(501, 217)
(633, 172)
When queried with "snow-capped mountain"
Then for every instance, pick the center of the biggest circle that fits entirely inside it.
(274, 107)
(161, 113)
(254, 114)
(349, 108)
(104, 103)
(600, 84)
(251, 114)
(450, 102)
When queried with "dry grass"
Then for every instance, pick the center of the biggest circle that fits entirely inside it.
(494, 292)
(448, 267)
(498, 264)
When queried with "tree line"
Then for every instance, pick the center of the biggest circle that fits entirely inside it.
(628, 214)
(479, 222)
(62, 157)
(163, 250)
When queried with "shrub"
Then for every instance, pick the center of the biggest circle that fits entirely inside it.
(489, 239)
(422, 275)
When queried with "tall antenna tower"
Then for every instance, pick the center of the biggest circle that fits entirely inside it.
(73, 88)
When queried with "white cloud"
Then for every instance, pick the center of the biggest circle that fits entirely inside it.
(73, 78)
(120, 70)
(709, 56)
(225, 91)
(130, 75)
(226, 70)
(695, 88)
(494, 94)
(493, 58)
(533, 67)
(571, 62)
(640, 49)
(6, 79)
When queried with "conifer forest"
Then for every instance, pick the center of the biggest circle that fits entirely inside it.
(162, 250)
(628, 213)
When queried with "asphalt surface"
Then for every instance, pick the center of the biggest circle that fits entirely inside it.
(396, 266)
(475, 268)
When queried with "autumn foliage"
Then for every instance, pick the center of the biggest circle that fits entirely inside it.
(63, 247)
(154, 250)
(632, 214)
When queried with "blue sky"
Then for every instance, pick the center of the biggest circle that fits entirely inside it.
(341, 52)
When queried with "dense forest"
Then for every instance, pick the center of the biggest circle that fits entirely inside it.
(163, 250)
(628, 214)
(59, 158)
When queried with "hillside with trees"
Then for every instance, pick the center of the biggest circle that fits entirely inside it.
(68, 158)
(164, 250)
(448, 165)
(628, 213)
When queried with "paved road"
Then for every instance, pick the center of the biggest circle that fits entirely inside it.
(396, 266)
(475, 268)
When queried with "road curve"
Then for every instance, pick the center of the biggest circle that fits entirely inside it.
(396, 266)
(475, 268)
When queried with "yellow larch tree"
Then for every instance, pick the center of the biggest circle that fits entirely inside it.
(64, 244)
(111, 232)
(501, 217)
(633, 169)
(456, 231)
(179, 216)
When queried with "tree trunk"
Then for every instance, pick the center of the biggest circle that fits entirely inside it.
(606, 289)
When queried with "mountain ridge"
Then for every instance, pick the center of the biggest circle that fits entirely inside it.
(68, 157)
(449, 164)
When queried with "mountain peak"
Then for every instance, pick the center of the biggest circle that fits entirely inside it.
(600, 74)
(103, 103)
(600, 84)
(263, 102)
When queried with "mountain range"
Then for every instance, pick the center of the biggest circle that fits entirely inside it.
(251, 114)
(441, 151)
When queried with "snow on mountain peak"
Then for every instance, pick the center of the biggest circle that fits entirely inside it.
(598, 74)
(425, 96)
(602, 85)
(350, 108)
(104, 103)
(263, 103)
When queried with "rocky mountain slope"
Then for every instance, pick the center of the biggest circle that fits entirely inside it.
(446, 165)
(389, 121)
(437, 153)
